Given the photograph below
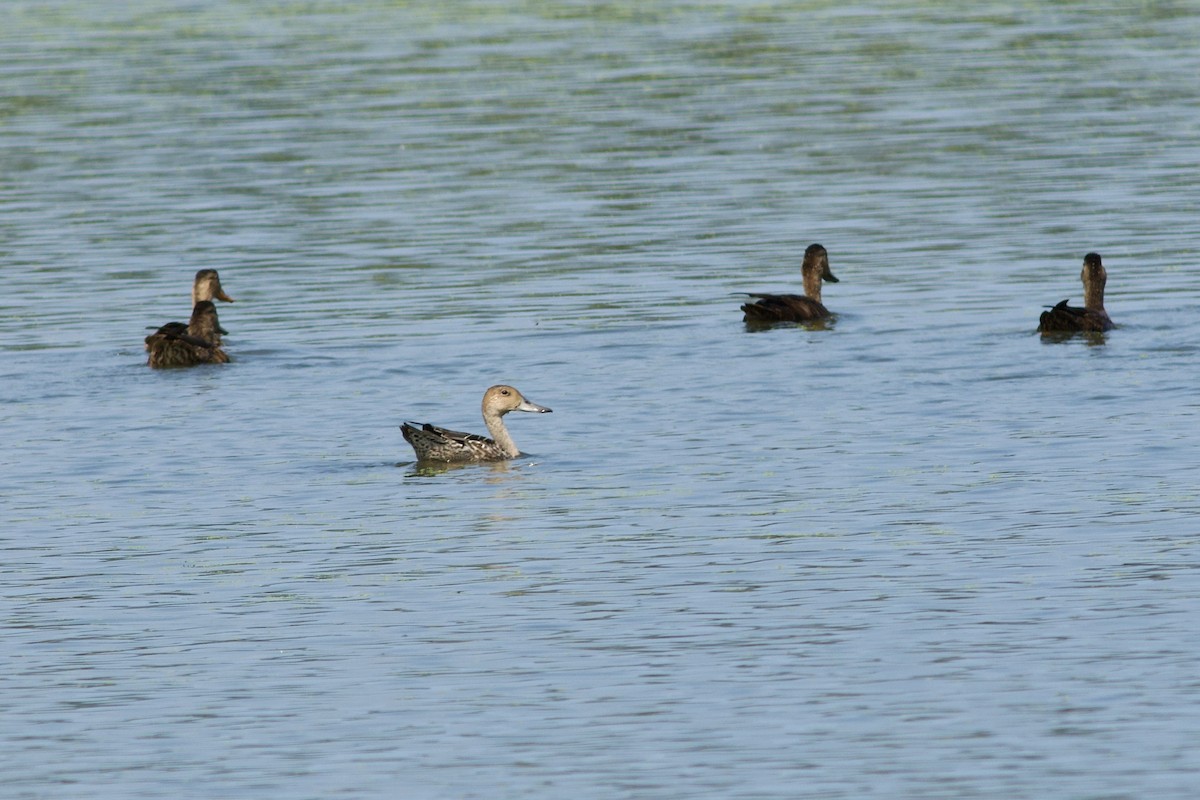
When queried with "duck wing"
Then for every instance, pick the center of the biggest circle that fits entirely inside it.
(1064, 318)
(177, 331)
(783, 308)
(442, 444)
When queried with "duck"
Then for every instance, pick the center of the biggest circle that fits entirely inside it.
(206, 286)
(1064, 318)
(197, 343)
(769, 308)
(432, 443)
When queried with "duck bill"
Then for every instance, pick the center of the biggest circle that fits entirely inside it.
(534, 407)
(220, 295)
(827, 275)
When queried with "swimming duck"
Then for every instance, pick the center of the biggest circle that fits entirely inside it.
(793, 307)
(1063, 318)
(197, 343)
(432, 443)
(206, 286)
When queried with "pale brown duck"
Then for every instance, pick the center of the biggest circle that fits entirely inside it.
(432, 443)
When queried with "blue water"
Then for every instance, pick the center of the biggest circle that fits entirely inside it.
(918, 553)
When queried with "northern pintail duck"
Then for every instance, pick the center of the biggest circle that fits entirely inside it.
(793, 307)
(198, 343)
(432, 443)
(1063, 318)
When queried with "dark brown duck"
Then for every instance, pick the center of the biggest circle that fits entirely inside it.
(768, 308)
(1064, 318)
(206, 286)
(172, 345)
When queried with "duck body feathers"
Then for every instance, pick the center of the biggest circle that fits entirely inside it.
(783, 308)
(432, 443)
(182, 351)
(1064, 318)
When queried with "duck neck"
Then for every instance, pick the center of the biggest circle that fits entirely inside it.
(812, 284)
(203, 329)
(495, 426)
(1093, 295)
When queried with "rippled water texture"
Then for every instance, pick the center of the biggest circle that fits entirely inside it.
(917, 552)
